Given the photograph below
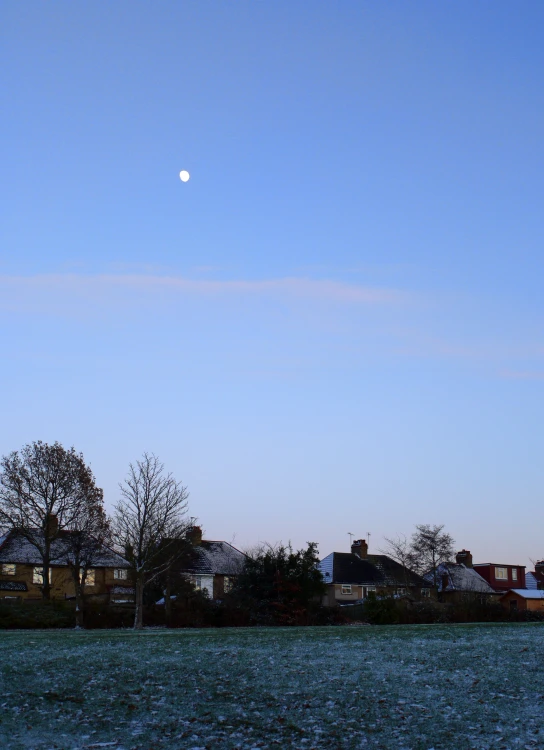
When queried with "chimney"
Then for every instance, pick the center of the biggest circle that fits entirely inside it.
(194, 535)
(359, 547)
(464, 557)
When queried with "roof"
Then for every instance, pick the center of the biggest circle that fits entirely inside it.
(531, 581)
(396, 574)
(497, 565)
(460, 578)
(16, 548)
(374, 570)
(526, 593)
(216, 558)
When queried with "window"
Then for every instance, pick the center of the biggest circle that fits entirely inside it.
(401, 591)
(425, 592)
(346, 588)
(8, 569)
(120, 574)
(37, 576)
(514, 574)
(90, 577)
(227, 584)
(501, 574)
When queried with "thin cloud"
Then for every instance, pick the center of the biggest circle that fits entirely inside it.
(523, 374)
(319, 290)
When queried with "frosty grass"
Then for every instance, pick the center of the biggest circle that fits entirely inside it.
(418, 687)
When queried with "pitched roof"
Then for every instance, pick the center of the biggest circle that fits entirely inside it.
(215, 558)
(374, 570)
(531, 580)
(526, 593)
(396, 574)
(460, 578)
(16, 548)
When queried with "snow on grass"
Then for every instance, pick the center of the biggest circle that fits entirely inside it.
(405, 688)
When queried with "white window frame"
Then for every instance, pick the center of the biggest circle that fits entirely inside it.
(425, 593)
(9, 569)
(514, 574)
(346, 589)
(120, 574)
(501, 574)
(227, 584)
(37, 575)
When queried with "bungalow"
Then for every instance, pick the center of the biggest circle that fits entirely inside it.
(457, 582)
(213, 566)
(21, 572)
(521, 600)
(350, 577)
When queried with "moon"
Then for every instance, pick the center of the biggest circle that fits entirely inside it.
(184, 175)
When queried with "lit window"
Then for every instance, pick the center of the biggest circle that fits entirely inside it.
(346, 588)
(37, 576)
(8, 569)
(501, 574)
(120, 574)
(514, 574)
(90, 577)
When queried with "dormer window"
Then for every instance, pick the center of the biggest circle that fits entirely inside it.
(514, 574)
(501, 574)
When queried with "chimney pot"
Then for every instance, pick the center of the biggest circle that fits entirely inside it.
(464, 557)
(194, 535)
(359, 547)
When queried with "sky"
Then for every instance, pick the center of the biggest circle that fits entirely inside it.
(336, 326)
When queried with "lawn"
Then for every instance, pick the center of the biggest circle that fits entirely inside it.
(418, 687)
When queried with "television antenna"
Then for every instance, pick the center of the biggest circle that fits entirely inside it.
(350, 535)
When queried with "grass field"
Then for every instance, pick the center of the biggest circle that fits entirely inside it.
(417, 687)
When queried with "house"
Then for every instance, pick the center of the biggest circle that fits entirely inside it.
(521, 600)
(501, 576)
(213, 566)
(351, 576)
(534, 579)
(21, 572)
(459, 582)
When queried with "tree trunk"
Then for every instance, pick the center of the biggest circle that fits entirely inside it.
(168, 601)
(46, 586)
(79, 607)
(139, 597)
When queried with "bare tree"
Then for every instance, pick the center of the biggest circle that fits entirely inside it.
(42, 491)
(83, 544)
(149, 518)
(429, 547)
(400, 549)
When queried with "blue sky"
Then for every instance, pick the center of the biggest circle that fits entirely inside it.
(337, 324)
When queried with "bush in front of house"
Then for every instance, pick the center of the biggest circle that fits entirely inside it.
(37, 615)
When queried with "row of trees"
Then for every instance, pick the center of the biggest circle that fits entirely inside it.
(50, 496)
